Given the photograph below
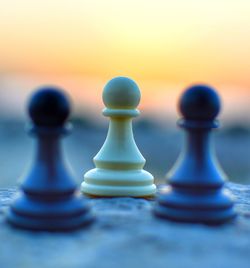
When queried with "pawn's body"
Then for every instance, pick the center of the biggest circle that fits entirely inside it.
(119, 163)
(47, 200)
(196, 192)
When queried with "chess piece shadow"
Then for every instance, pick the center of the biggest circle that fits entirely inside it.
(47, 200)
(196, 190)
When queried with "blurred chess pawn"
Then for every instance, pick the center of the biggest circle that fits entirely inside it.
(47, 200)
(196, 192)
(119, 163)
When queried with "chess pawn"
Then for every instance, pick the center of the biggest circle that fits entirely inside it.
(195, 192)
(47, 200)
(119, 163)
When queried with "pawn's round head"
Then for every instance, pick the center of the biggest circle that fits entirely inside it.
(200, 102)
(121, 93)
(49, 106)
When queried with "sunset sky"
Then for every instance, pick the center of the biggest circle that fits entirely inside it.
(163, 45)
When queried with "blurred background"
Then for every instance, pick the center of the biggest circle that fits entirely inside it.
(165, 46)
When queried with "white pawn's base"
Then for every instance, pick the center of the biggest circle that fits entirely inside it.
(104, 182)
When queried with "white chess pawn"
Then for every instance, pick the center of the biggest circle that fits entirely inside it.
(119, 163)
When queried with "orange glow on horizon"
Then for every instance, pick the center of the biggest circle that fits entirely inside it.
(164, 46)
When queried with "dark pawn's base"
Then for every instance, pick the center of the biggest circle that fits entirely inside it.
(54, 216)
(212, 207)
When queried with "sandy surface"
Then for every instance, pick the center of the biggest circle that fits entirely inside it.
(126, 234)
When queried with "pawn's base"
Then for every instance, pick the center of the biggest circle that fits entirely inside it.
(209, 207)
(122, 191)
(41, 215)
(132, 183)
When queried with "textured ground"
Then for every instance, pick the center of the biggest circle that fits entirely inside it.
(127, 235)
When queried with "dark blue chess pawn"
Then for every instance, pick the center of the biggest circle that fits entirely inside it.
(47, 199)
(195, 192)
